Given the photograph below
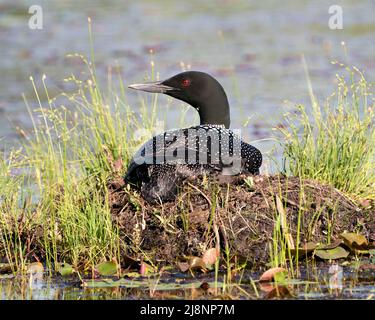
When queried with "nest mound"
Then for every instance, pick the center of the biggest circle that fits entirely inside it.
(246, 215)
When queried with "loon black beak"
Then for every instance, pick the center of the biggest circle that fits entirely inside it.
(155, 87)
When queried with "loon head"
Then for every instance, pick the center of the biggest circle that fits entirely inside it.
(200, 90)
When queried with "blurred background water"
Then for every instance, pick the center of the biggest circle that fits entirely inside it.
(253, 48)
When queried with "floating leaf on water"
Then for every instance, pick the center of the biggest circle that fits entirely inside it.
(336, 253)
(211, 256)
(65, 269)
(306, 248)
(354, 240)
(330, 246)
(35, 267)
(107, 268)
(309, 246)
(274, 274)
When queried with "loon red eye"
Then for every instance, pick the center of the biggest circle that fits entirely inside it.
(185, 82)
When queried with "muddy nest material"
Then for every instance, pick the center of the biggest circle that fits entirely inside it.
(245, 214)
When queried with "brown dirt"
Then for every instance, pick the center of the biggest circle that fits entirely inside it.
(245, 217)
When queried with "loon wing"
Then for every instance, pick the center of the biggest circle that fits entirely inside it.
(176, 146)
(252, 158)
(170, 147)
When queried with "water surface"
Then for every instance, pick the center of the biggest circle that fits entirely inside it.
(324, 282)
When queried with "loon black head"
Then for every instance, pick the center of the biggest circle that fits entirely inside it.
(198, 89)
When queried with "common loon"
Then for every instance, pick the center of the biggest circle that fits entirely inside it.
(164, 161)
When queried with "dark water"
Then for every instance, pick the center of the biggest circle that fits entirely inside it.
(253, 48)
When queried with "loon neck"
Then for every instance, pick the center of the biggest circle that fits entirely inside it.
(214, 113)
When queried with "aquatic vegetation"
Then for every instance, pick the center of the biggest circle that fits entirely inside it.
(334, 142)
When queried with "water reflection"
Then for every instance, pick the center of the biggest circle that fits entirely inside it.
(334, 282)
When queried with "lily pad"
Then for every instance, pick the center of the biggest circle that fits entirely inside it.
(354, 240)
(306, 248)
(65, 269)
(107, 268)
(330, 246)
(332, 254)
